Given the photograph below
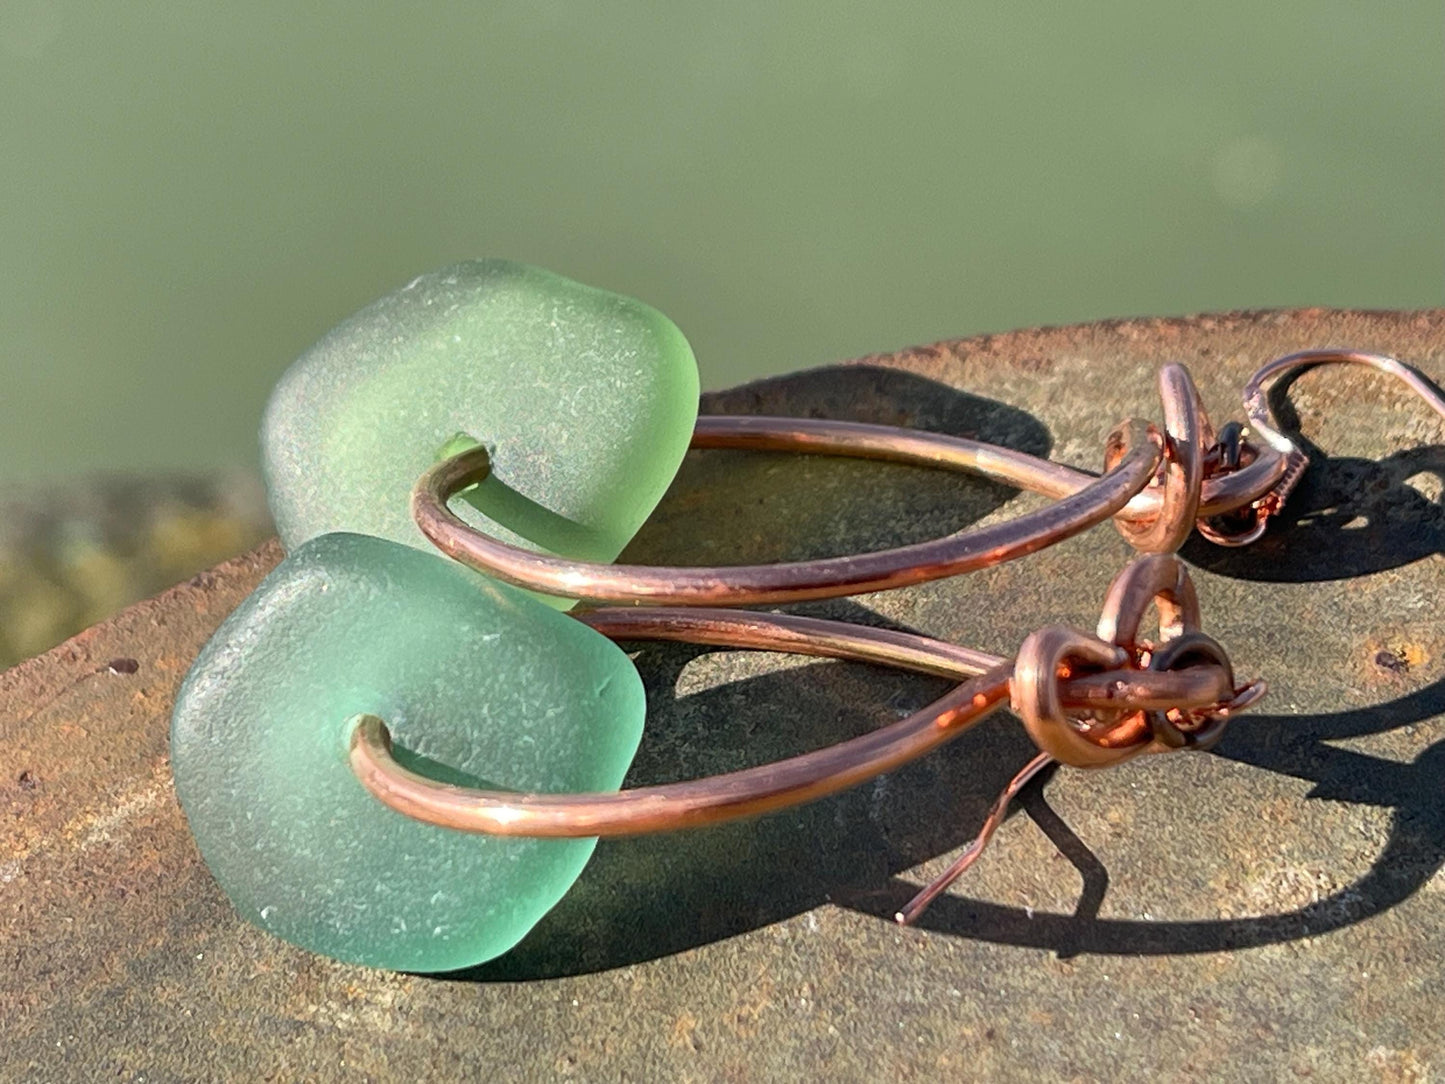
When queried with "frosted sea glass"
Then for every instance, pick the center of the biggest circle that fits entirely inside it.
(478, 682)
(586, 399)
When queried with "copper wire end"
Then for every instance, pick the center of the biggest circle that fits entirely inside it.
(974, 851)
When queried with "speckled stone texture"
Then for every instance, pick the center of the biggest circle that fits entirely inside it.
(1274, 910)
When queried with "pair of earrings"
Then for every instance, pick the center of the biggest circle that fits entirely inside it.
(373, 706)
(588, 400)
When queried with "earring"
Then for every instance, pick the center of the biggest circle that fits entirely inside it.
(390, 759)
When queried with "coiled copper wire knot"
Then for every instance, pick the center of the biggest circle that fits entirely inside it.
(1181, 469)
(1192, 477)
(1107, 736)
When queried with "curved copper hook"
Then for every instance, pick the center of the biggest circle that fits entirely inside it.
(1279, 453)
(1256, 391)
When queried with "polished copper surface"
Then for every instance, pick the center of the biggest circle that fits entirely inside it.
(973, 851)
(676, 805)
(1112, 687)
(1138, 450)
(1190, 484)
(1086, 700)
(1182, 482)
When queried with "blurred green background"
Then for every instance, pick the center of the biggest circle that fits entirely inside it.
(190, 194)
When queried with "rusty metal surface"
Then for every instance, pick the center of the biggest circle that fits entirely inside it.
(1273, 910)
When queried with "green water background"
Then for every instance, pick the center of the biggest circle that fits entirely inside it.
(191, 194)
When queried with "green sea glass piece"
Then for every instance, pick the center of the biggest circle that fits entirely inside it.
(479, 683)
(585, 398)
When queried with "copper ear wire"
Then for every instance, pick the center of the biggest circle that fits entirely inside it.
(1112, 687)
(974, 849)
(1156, 486)
(1273, 447)
(1086, 701)
(1081, 502)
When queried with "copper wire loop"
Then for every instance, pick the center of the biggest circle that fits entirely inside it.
(1047, 654)
(1161, 580)
(1109, 687)
(1178, 727)
(1198, 481)
(1087, 701)
(1082, 501)
(676, 805)
(1182, 480)
(1103, 738)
